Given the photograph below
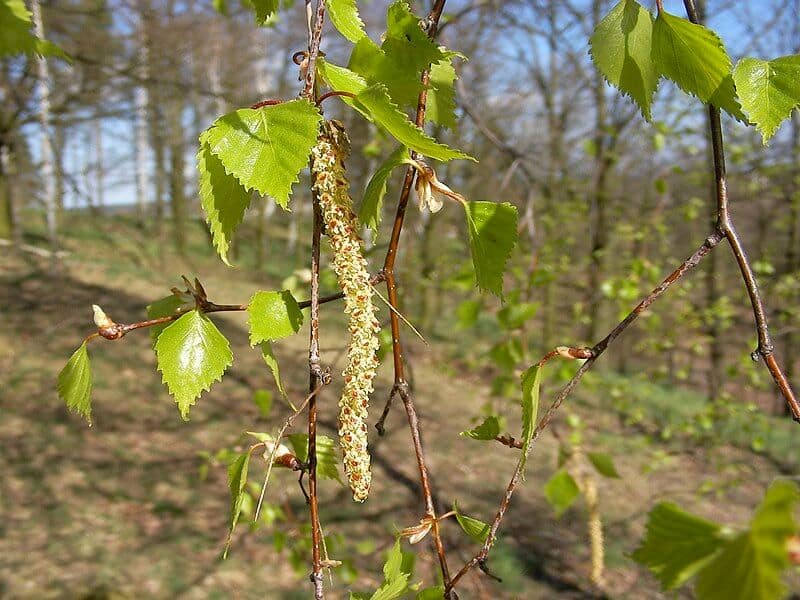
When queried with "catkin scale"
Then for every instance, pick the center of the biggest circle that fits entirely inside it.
(341, 227)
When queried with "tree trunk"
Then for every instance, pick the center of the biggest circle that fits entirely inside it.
(143, 112)
(177, 178)
(9, 228)
(48, 171)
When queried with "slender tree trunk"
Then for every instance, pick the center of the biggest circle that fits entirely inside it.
(177, 178)
(143, 112)
(99, 165)
(48, 170)
(9, 228)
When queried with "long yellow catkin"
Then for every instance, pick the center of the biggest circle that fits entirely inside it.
(341, 227)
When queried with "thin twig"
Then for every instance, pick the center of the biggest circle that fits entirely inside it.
(314, 370)
(401, 386)
(708, 245)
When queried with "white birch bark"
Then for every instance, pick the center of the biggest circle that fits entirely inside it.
(48, 171)
(141, 101)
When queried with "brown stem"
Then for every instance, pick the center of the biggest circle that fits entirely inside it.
(726, 227)
(314, 370)
(401, 386)
(708, 245)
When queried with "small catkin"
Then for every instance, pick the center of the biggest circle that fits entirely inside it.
(341, 226)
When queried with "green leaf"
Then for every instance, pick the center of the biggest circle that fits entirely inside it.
(263, 400)
(432, 593)
(17, 38)
(395, 576)
(371, 62)
(440, 105)
(237, 480)
(326, 454)
(191, 355)
(75, 383)
(468, 313)
(162, 308)
(223, 198)
(694, 58)
(273, 316)
(492, 234)
(264, 9)
(372, 203)
(488, 430)
(561, 491)
(385, 113)
(603, 464)
(272, 363)
(515, 315)
(531, 382)
(344, 16)
(620, 48)
(477, 530)
(769, 91)
(677, 544)
(752, 564)
(266, 148)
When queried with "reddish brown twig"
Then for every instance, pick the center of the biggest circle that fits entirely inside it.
(324, 97)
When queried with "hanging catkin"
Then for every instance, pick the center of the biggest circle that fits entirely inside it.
(341, 227)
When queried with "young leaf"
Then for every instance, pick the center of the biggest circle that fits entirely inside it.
(266, 148)
(75, 383)
(561, 491)
(395, 575)
(385, 113)
(372, 203)
(488, 430)
(264, 9)
(432, 593)
(326, 454)
(237, 480)
(162, 308)
(620, 48)
(531, 382)
(263, 400)
(272, 316)
(223, 198)
(477, 530)
(191, 354)
(344, 16)
(492, 234)
(677, 544)
(769, 91)
(695, 59)
(15, 23)
(371, 62)
(603, 464)
(440, 105)
(752, 564)
(272, 363)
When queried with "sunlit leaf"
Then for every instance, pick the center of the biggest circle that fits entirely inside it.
(441, 99)
(75, 383)
(223, 198)
(677, 544)
(372, 203)
(266, 148)
(752, 564)
(492, 230)
(561, 491)
(272, 316)
(192, 354)
(488, 430)
(17, 37)
(237, 480)
(477, 530)
(694, 58)
(603, 464)
(621, 50)
(264, 9)
(769, 91)
(272, 364)
(531, 383)
(344, 16)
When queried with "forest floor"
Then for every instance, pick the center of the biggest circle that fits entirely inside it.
(131, 508)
